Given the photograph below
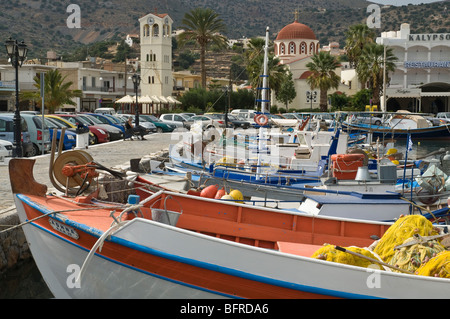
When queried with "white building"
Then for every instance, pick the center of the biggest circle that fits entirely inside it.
(421, 82)
(156, 55)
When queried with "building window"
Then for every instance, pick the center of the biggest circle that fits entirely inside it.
(292, 48)
(311, 48)
(281, 48)
(156, 30)
(303, 48)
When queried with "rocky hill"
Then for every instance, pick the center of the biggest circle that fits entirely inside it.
(42, 24)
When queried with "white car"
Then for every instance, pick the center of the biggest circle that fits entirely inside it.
(6, 148)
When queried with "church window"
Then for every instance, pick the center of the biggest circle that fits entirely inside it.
(146, 30)
(292, 48)
(303, 48)
(281, 48)
(312, 48)
(156, 30)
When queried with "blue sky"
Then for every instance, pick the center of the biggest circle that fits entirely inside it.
(404, 2)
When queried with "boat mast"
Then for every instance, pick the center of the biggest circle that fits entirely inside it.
(264, 101)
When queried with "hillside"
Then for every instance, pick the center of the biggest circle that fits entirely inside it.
(42, 24)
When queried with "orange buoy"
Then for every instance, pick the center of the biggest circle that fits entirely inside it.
(261, 119)
(221, 192)
(209, 191)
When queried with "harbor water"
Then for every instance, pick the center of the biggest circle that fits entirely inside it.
(26, 282)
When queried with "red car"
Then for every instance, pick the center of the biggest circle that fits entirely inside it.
(101, 136)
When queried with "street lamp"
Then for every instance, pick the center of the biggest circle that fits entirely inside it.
(311, 97)
(17, 52)
(136, 81)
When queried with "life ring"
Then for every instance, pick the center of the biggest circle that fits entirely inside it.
(261, 119)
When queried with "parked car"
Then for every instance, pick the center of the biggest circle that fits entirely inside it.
(234, 121)
(179, 120)
(209, 121)
(100, 134)
(189, 115)
(328, 118)
(69, 126)
(105, 110)
(39, 134)
(110, 120)
(6, 148)
(115, 133)
(7, 133)
(160, 125)
(70, 137)
(148, 126)
(372, 119)
(442, 118)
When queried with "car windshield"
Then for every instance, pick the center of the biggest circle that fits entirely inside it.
(38, 122)
(51, 125)
(92, 119)
(78, 119)
(113, 119)
(151, 118)
(60, 122)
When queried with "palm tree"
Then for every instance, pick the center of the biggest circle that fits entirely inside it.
(371, 67)
(357, 37)
(323, 76)
(254, 60)
(56, 91)
(203, 26)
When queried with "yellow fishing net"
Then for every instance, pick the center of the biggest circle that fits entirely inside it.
(329, 253)
(439, 266)
(412, 257)
(404, 228)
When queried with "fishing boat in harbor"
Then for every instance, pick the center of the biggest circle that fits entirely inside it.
(171, 245)
(398, 125)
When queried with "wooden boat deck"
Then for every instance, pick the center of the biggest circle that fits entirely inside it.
(239, 223)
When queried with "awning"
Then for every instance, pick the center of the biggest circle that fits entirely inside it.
(172, 100)
(434, 94)
(125, 99)
(163, 99)
(145, 99)
(155, 99)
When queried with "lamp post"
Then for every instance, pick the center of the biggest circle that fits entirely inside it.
(17, 53)
(311, 97)
(136, 81)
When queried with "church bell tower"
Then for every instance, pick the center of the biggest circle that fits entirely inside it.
(156, 54)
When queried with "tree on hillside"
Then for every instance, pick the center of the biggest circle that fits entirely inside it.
(57, 92)
(203, 26)
(323, 77)
(371, 67)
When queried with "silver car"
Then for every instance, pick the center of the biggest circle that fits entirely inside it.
(149, 126)
(179, 120)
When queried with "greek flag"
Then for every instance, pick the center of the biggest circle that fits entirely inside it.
(409, 143)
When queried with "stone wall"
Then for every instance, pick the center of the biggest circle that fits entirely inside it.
(13, 244)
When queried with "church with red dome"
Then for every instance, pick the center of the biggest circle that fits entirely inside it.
(294, 46)
(295, 41)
